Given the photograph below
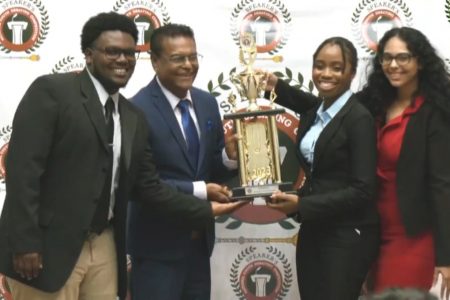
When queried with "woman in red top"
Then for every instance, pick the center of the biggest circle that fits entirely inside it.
(408, 92)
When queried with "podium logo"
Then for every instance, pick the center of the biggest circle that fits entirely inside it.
(24, 26)
(268, 20)
(372, 18)
(69, 64)
(263, 274)
(147, 15)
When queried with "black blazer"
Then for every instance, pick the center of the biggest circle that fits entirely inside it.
(56, 171)
(423, 178)
(339, 187)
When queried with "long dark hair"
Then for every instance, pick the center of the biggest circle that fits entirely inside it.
(433, 79)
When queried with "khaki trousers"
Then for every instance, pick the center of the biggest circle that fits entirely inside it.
(93, 278)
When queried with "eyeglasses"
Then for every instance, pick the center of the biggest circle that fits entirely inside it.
(181, 59)
(114, 53)
(401, 58)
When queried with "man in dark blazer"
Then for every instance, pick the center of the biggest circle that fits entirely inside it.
(62, 229)
(169, 262)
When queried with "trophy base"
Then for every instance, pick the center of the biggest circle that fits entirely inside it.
(250, 192)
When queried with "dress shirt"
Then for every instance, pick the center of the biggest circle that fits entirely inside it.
(199, 187)
(117, 139)
(322, 119)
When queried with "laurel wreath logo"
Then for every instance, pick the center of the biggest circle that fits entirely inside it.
(287, 271)
(222, 82)
(447, 9)
(5, 133)
(45, 23)
(235, 32)
(297, 82)
(44, 27)
(287, 280)
(357, 14)
(234, 271)
(160, 4)
(66, 60)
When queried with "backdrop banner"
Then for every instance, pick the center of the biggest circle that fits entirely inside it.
(254, 256)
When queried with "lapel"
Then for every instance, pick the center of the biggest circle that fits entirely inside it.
(93, 107)
(306, 121)
(330, 129)
(128, 121)
(162, 105)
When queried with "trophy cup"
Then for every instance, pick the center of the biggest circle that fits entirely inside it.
(258, 149)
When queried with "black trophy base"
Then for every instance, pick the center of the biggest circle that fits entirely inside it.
(247, 193)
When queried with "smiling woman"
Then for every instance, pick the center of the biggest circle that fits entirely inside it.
(408, 93)
(331, 74)
(339, 223)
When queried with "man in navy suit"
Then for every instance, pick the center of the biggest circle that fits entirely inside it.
(169, 262)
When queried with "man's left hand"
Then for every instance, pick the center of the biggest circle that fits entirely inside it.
(219, 209)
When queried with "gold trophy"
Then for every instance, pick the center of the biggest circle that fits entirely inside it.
(258, 149)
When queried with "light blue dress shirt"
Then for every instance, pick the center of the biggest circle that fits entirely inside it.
(322, 119)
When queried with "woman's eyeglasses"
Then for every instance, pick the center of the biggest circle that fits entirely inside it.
(401, 58)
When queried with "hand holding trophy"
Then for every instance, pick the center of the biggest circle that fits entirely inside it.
(258, 149)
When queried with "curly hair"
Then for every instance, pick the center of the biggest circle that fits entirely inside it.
(96, 25)
(169, 30)
(433, 79)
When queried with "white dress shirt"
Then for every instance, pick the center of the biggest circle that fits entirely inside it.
(117, 139)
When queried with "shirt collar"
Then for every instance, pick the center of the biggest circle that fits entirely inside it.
(173, 100)
(101, 92)
(415, 105)
(332, 111)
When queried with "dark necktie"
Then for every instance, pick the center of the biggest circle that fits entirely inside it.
(100, 220)
(109, 110)
(190, 132)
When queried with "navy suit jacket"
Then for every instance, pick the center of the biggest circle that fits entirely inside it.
(153, 236)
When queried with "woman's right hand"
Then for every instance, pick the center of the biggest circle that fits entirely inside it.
(286, 203)
(271, 81)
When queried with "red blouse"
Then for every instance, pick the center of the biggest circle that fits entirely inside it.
(403, 261)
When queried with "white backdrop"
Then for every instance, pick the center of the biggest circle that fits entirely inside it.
(254, 254)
